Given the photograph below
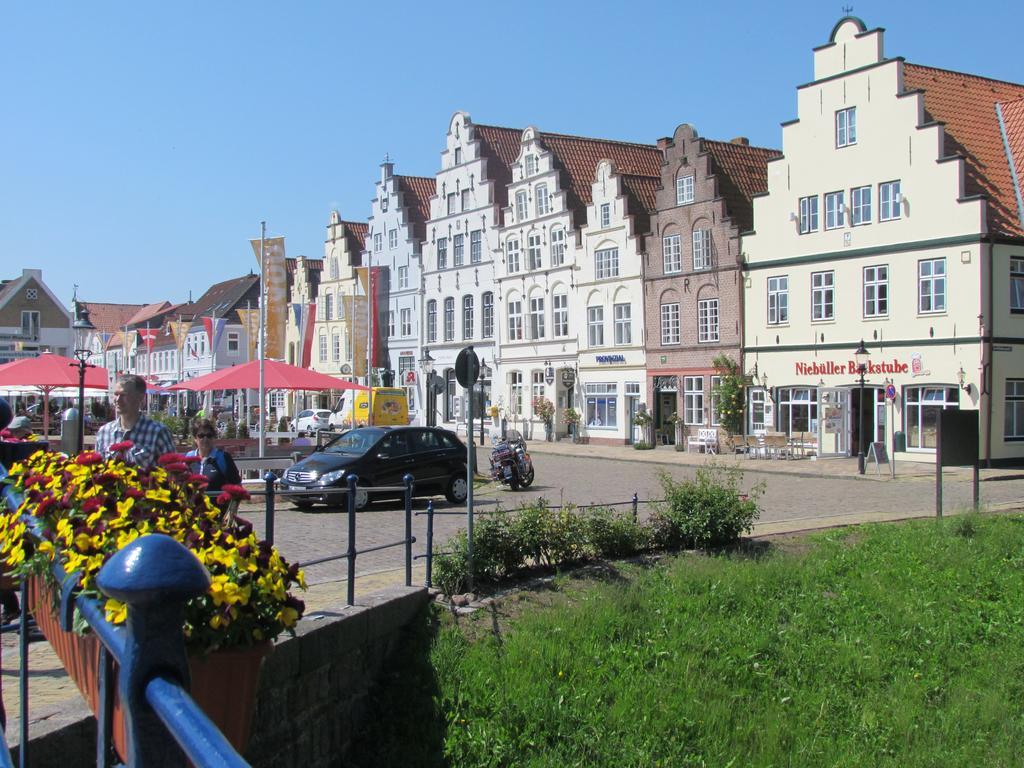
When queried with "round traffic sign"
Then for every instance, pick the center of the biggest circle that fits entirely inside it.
(890, 391)
(467, 367)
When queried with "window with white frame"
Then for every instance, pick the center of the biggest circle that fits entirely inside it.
(672, 253)
(451, 204)
(512, 255)
(560, 314)
(487, 315)
(458, 156)
(716, 382)
(1017, 284)
(407, 364)
(778, 300)
(515, 320)
(537, 317)
(476, 249)
(684, 190)
(533, 254)
(432, 320)
(392, 239)
(931, 285)
(808, 214)
(378, 242)
(233, 342)
(606, 215)
(623, 317)
(1013, 414)
(458, 250)
(595, 326)
(876, 291)
(846, 127)
(403, 277)
(606, 263)
(521, 210)
(391, 324)
(467, 316)
(860, 206)
(515, 387)
(889, 200)
(530, 163)
(557, 247)
(701, 249)
(335, 347)
(707, 321)
(543, 200)
(670, 323)
(465, 200)
(538, 390)
(442, 253)
(823, 295)
(333, 268)
(693, 399)
(921, 409)
(834, 208)
(602, 404)
(405, 322)
(329, 306)
(323, 347)
(449, 319)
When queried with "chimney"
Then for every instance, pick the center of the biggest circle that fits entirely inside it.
(743, 141)
(663, 143)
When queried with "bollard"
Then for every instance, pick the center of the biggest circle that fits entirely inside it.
(408, 480)
(154, 576)
(430, 544)
(636, 502)
(268, 525)
(353, 481)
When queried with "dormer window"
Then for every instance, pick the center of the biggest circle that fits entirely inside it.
(846, 127)
(530, 164)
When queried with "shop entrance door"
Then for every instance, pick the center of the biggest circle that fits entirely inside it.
(666, 408)
(874, 417)
(832, 416)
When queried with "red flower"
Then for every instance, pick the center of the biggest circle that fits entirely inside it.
(134, 493)
(235, 492)
(34, 480)
(193, 459)
(171, 458)
(92, 504)
(177, 467)
(197, 478)
(88, 458)
(123, 446)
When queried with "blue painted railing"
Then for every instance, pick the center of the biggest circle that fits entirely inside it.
(154, 576)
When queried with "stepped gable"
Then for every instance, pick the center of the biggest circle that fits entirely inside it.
(742, 173)
(578, 157)
(501, 146)
(966, 104)
(416, 193)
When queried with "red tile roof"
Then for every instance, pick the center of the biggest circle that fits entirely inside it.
(641, 192)
(416, 194)
(501, 146)
(149, 311)
(742, 172)
(355, 235)
(1013, 121)
(109, 318)
(966, 105)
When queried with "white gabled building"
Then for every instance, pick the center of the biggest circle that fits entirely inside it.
(335, 349)
(396, 231)
(458, 255)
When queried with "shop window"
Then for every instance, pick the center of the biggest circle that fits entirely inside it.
(602, 405)
(921, 407)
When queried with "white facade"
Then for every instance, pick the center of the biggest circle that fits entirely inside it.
(334, 344)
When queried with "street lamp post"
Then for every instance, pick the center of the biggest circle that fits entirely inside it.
(83, 329)
(427, 366)
(861, 355)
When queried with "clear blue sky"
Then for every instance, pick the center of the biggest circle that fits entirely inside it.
(141, 144)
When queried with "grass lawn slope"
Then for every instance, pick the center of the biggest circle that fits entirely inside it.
(892, 645)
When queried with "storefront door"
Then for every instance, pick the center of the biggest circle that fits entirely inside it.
(666, 408)
(832, 411)
(874, 417)
(632, 404)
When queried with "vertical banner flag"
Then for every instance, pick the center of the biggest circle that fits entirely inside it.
(275, 293)
(355, 314)
(306, 333)
(374, 283)
(179, 329)
(250, 319)
(214, 330)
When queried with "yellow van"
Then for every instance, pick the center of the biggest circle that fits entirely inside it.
(390, 408)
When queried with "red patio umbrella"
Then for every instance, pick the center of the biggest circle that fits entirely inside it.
(276, 375)
(48, 372)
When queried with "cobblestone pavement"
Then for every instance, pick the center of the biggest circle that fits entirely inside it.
(799, 494)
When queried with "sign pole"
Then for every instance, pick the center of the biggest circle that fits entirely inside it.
(467, 370)
(938, 468)
(262, 332)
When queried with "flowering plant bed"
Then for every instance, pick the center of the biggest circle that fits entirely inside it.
(87, 508)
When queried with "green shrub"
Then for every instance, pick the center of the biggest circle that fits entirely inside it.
(282, 424)
(610, 534)
(242, 431)
(546, 536)
(496, 552)
(231, 431)
(705, 512)
(450, 571)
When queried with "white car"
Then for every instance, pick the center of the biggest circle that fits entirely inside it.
(311, 421)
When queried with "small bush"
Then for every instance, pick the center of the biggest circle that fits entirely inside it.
(242, 431)
(966, 525)
(450, 571)
(496, 552)
(282, 424)
(611, 535)
(230, 431)
(705, 512)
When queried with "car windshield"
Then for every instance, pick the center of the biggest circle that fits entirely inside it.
(355, 442)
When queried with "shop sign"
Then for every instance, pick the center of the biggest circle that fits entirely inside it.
(611, 359)
(549, 375)
(849, 368)
(568, 378)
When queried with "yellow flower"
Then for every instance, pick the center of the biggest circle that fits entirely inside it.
(116, 611)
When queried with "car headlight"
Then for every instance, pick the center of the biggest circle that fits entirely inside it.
(331, 477)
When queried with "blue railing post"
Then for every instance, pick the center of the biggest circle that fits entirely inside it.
(153, 576)
(408, 480)
(636, 503)
(430, 544)
(353, 481)
(269, 479)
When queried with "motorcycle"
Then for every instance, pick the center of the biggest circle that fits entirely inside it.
(510, 463)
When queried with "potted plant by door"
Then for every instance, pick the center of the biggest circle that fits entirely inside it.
(545, 410)
(572, 419)
(643, 419)
(86, 508)
(677, 426)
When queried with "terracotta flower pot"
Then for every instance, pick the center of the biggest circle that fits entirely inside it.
(224, 683)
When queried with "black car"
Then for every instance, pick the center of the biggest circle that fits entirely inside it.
(380, 456)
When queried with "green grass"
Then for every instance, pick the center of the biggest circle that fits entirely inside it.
(892, 645)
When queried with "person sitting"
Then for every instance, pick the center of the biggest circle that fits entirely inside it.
(596, 421)
(216, 464)
(19, 429)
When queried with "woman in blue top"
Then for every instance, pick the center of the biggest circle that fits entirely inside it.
(216, 464)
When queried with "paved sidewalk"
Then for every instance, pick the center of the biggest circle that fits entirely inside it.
(303, 536)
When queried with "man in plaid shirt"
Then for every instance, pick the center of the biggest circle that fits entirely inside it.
(150, 439)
